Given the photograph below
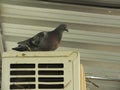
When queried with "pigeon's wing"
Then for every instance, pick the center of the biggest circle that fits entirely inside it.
(24, 42)
(38, 39)
(35, 40)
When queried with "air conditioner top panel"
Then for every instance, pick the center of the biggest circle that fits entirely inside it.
(39, 54)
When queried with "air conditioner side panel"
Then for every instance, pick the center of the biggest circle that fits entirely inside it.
(76, 67)
(5, 76)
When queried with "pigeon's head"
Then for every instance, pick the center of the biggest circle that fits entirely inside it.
(62, 27)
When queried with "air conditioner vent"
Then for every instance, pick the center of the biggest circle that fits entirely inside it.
(51, 72)
(22, 86)
(51, 86)
(22, 79)
(36, 71)
(47, 65)
(22, 65)
(51, 79)
(54, 73)
(18, 77)
(22, 72)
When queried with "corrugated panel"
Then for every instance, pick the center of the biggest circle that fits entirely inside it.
(59, 15)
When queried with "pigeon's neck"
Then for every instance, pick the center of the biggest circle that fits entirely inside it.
(58, 30)
(58, 33)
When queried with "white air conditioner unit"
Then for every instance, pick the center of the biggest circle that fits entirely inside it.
(53, 70)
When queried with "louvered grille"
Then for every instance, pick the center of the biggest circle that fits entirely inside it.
(22, 76)
(46, 75)
(51, 71)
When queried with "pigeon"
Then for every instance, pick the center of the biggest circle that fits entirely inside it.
(43, 41)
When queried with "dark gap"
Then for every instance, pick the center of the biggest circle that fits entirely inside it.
(22, 79)
(50, 72)
(51, 65)
(22, 86)
(51, 86)
(22, 72)
(86, 3)
(51, 79)
(22, 65)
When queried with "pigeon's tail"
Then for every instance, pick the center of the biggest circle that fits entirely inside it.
(20, 48)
